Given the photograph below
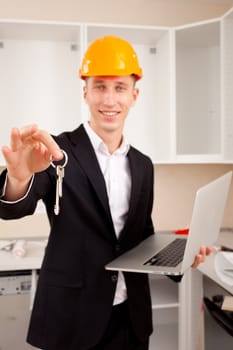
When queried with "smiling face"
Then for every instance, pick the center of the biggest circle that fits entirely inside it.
(109, 99)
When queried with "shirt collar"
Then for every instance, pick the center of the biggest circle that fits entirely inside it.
(100, 146)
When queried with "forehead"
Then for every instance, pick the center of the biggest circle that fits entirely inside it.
(128, 79)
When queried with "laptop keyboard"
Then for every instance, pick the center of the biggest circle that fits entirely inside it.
(170, 256)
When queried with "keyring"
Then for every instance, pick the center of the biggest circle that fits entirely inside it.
(65, 162)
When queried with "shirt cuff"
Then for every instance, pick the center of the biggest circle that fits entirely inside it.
(18, 200)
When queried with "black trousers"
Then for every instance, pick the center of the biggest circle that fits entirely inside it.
(119, 335)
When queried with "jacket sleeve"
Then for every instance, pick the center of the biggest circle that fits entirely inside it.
(27, 204)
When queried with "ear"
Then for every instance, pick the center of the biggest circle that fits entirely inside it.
(135, 95)
(85, 93)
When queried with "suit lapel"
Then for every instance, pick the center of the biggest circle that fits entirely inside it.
(85, 155)
(137, 180)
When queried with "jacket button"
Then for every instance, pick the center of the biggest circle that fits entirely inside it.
(114, 278)
(117, 248)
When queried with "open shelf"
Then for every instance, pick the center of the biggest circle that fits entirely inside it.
(164, 292)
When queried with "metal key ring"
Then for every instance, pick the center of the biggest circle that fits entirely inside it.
(65, 162)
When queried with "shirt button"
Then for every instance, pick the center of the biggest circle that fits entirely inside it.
(114, 278)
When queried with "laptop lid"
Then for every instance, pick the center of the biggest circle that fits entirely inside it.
(207, 215)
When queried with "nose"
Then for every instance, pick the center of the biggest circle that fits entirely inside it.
(110, 97)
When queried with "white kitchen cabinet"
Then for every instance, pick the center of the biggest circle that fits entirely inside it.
(227, 85)
(184, 110)
(198, 91)
(203, 91)
(39, 83)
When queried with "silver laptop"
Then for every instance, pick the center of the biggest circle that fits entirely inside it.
(171, 254)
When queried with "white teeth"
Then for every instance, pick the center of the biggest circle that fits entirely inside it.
(109, 113)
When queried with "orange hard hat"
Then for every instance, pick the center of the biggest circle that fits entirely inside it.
(110, 56)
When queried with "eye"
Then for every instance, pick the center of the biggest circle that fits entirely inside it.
(99, 87)
(120, 88)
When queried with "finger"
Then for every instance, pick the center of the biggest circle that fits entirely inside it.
(5, 152)
(52, 148)
(28, 130)
(18, 136)
(40, 147)
(41, 139)
(197, 260)
(9, 156)
(202, 250)
(205, 250)
(15, 140)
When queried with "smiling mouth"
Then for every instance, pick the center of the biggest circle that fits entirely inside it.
(109, 114)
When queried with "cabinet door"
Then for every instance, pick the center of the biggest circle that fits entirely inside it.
(198, 82)
(39, 82)
(227, 67)
(148, 124)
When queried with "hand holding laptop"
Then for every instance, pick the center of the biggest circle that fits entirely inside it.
(200, 258)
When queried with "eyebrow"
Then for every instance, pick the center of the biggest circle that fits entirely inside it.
(103, 81)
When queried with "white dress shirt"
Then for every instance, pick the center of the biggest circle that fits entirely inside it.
(116, 172)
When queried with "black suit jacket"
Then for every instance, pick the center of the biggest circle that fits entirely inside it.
(75, 293)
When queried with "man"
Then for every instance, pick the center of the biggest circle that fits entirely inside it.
(105, 210)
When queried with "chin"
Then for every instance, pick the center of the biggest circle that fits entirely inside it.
(110, 128)
(110, 125)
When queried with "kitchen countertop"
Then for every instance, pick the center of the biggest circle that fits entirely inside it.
(36, 246)
(31, 261)
(208, 269)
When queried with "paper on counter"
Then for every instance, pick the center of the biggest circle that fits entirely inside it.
(227, 303)
(20, 248)
(224, 261)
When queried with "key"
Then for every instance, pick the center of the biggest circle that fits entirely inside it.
(60, 172)
(57, 204)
